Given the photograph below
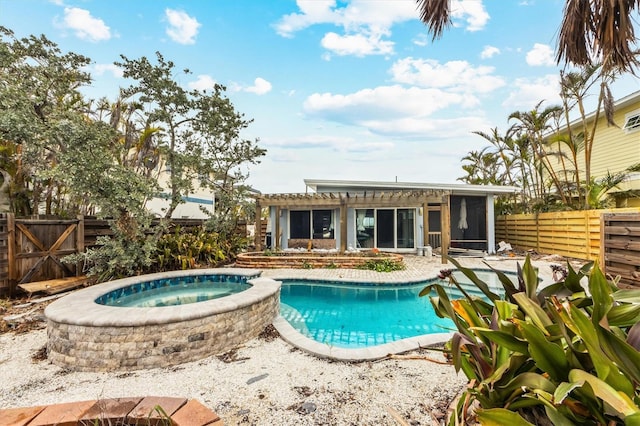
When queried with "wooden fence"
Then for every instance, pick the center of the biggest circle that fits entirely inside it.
(572, 233)
(621, 246)
(31, 249)
(4, 253)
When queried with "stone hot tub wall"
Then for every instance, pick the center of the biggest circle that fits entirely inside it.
(138, 338)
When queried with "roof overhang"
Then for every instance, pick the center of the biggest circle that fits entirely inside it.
(324, 185)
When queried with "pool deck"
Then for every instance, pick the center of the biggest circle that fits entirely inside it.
(418, 268)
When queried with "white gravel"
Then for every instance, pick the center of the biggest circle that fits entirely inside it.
(269, 383)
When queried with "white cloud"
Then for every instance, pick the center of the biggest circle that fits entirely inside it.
(541, 55)
(418, 127)
(356, 44)
(260, 87)
(528, 93)
(84, 25)
(100, 69)
(182, 28)
(380, 102)
(204, 82)
(489, 52)
(364, 23)
(421, 40)
(471, 11)
(458, 76)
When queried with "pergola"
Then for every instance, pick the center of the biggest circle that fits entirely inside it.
(427, 199)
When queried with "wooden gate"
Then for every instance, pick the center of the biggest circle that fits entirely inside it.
(39, 246)
(621, 247)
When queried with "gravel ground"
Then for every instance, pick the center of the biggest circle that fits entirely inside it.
(264, 382)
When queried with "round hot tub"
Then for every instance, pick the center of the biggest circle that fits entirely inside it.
(188, 315)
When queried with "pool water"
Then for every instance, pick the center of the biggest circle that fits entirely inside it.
(348, 315)
(175, 291)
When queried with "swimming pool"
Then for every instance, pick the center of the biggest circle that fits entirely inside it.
(361, 315)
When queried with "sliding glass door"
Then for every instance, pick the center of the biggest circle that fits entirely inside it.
(385, 228)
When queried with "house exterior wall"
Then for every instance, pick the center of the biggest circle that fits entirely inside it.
(614, 149)
(193, 204)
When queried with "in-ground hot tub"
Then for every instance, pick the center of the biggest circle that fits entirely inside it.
(84, 335)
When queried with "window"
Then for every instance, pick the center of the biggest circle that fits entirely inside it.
(385, 228)
(300, 224)
(632, 122)
(306, 224)
(322, 224)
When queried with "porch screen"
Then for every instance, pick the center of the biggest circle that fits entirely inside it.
(300, 224)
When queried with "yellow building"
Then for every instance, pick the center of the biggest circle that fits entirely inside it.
(615, 148)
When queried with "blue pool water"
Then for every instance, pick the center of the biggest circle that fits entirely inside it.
(358, 315)
(175, 291)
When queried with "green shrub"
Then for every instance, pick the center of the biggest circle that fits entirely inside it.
(188, 248)
(382, 265)
(562, 355)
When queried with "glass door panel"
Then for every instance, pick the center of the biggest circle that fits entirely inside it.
(405, 228)
(385, 228)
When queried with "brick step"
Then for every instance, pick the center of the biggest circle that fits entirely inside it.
(150, 410)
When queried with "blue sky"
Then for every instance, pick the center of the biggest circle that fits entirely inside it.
(337, 89)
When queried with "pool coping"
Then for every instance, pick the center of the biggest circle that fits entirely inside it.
(80, 307)
(322, 350)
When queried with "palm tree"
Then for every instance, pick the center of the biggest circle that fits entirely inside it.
(534, 125)
(591, 29)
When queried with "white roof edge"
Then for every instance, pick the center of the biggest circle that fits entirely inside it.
(620, 103)
(459, 188)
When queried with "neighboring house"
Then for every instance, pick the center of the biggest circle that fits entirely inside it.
(615, 148)
(390, 216)
(193, 204)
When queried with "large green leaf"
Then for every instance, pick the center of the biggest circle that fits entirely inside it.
(605, 368)
(501, 417)
(537, 315)
(627, 295)
(530, 380)
(626, 357)
(469, 273)
(508, 341)
(530, 278)
(617, 403)
(624, 315)
(549, 357)
(601, 295)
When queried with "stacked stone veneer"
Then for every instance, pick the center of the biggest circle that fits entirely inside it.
(169, 341)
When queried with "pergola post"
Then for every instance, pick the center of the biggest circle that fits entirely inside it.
(257, 235)
(343, 226)
(445, 226)
(275, 236)
(425, 223)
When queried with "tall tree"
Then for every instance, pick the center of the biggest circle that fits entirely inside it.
(40, 90)
(198, 132)
(534, 125)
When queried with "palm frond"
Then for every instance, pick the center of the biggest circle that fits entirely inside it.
(436, 15)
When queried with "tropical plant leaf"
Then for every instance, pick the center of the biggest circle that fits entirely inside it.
(619, 403)
(469, 273)
(501, 417)
(537, 315)
(549, 356)
(508, 341)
